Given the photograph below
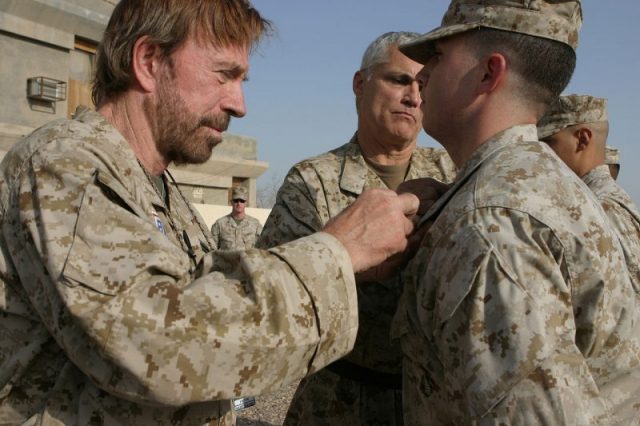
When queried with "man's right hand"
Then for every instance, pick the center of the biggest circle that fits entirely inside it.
(375, 226)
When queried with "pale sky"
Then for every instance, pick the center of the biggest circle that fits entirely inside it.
(299, 97)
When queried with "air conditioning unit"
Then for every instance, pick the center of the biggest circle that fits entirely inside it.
(46, 89)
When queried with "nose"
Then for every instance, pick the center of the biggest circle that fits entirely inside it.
(233, 102)
(412, 95)
(422, 77)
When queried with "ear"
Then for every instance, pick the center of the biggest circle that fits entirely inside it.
(583, 135)
(358, 82)
(146, 63)
(494, 69)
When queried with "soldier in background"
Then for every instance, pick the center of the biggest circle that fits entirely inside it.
(612, 159)
(237, 230)
(114, 308)
(364, 387)
(517, 307)
(576, 128)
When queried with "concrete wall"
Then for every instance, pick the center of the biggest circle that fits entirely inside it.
(237, 147)
(22, 59)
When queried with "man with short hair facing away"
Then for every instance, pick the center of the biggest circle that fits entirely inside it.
(517, 306)
(576, 128)
(364, 387)
(114, 308)
(237, 230)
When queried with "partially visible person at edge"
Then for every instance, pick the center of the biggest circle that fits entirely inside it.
(364, 387)
(576, 128)
(612, 160)
(113, 307)
(517, 306)
(237, 230)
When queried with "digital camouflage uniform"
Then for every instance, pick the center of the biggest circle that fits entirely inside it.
(113, 309)
(623, 215)
(229, 235)
(314, 191)
(571, 110)
(517, 308)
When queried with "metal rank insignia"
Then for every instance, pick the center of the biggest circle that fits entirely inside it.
(158, 222)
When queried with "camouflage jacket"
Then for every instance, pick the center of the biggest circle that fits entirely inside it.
(622, 213)
(517, 308)
(317, 189)
(229, 235)
(113, 309)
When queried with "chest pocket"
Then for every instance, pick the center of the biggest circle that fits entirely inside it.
(249, 238)
(115, 245)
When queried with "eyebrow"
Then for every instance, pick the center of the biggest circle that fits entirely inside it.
(401, 75)
(233, 68)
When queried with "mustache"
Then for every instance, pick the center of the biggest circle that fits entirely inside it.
(220, 122)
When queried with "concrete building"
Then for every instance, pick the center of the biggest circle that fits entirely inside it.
(47, 54)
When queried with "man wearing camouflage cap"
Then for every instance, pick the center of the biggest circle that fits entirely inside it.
(237, 230)
(364, 387)
(576, 128)
(612, 159)
(114, 309)
(517, 308)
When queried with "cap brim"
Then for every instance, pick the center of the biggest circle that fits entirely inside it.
(422, 48)
(546, 131)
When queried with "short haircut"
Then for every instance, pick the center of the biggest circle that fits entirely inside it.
(168, 23)
(378, 51)
(545, 65)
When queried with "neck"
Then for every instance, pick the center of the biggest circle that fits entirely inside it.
(238, 216)
(468, 136)
(386, 153)
(590, 163)
(127, 115)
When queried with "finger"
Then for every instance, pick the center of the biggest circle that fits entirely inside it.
(409, 226)
(409, 203)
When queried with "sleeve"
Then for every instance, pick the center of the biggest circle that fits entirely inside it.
(626, 221)
(124, 304)
(503, 324)
(215, 233)
(294, 215)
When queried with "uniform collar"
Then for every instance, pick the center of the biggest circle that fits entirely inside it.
(519, 133)
(355, 172)
(597, 173)
(125, 161)
(354, 169)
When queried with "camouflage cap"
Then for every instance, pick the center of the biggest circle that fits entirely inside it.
(611, 155)
(239, 193)
(571, 110)
(558, 20)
